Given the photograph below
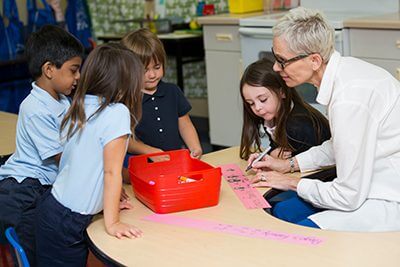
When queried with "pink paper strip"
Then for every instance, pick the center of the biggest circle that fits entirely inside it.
(250, 197)
(233, 229)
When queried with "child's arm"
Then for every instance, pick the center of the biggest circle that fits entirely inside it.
(189, 136)
(113, 154)
(136, 146)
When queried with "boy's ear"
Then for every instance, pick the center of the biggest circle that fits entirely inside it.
(48, 69)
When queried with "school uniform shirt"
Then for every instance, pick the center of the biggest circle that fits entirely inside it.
(160, 114)
(363, 104)
(80, 183)
(37, 138)
(301, 133)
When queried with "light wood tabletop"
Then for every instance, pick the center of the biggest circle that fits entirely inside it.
(172, 245)
(8, 124)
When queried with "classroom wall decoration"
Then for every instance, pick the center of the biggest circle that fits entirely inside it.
(186, 9)
(106, 13)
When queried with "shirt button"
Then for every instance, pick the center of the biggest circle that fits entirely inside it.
(160, 130)
(152, 98)
(156, 108)
(158, 118)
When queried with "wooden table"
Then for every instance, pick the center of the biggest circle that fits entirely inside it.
(169, 245)
(8, 125)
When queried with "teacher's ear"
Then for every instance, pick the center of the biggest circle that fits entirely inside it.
(316, 61)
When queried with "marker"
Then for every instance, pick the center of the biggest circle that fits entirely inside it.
(258, 158)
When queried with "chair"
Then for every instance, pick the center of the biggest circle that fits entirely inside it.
(19, 251)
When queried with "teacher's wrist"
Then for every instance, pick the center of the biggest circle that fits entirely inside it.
(291, 165)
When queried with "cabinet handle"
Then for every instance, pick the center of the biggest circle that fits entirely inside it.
(398, 43)
(398, 73)
(225, 37)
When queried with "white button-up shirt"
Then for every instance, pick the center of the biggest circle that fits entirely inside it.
(363, 104)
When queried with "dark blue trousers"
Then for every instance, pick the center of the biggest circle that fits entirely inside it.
(295, 210)
(60, 234)
(17, 209)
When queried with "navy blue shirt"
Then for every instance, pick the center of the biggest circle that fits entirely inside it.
(160, 113)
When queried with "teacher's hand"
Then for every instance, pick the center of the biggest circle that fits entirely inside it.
(276, 180)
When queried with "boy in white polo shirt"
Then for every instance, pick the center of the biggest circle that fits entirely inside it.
(54, 58)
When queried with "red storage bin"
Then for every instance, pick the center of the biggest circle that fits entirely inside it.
(180, 183)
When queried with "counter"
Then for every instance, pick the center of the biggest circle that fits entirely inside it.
(384, 21)
(226, 19)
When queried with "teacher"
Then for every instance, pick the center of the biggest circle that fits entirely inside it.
(363, 107)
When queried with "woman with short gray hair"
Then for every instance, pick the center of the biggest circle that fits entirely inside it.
(363, 105)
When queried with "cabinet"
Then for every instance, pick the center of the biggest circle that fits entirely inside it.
(377, 46)
(224, 70)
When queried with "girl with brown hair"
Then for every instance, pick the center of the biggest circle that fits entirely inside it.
(292, 125)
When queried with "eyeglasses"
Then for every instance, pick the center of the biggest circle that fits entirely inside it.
(283, 63)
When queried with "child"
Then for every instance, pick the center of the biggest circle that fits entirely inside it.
(96, 128)
(54, 58)
(292, 125)
(165, 121)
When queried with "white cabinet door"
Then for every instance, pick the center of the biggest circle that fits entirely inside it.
(224, 69)
(379, 47)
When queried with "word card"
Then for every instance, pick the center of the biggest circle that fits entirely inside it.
(248, 195)
(233, 229)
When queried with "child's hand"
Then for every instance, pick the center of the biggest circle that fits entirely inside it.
(196, 153)
(120, 230)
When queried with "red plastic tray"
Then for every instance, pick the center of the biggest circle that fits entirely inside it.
(180, 183)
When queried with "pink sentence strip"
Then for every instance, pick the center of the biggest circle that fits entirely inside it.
(233, 229)
(248, 195)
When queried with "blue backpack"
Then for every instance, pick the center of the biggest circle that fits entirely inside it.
(39, 17)
(11, 35)
(11, 45)
(78, 21)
